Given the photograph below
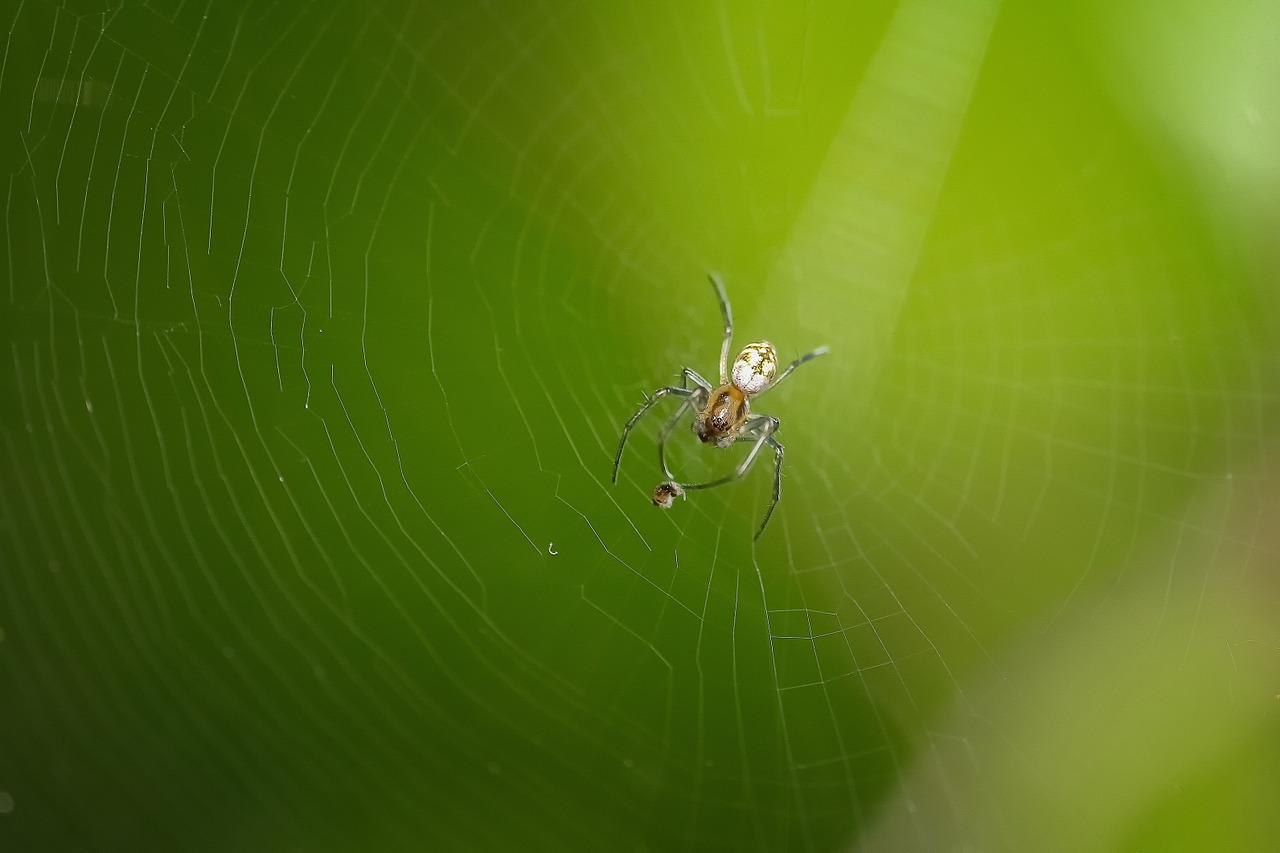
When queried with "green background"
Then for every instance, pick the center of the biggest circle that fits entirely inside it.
(320, 322)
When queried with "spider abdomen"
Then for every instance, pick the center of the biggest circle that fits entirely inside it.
(755, 367)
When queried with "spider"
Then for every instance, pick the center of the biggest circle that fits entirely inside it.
(724, 413)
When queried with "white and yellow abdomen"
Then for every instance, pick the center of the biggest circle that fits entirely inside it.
(755, 367)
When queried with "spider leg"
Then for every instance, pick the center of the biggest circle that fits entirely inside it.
(665, 433)
(698, 400)
(687, 373)
(777, 482)
(648, 404)
(760, 428)
(691, 396)
(809, 356)
(727, 313)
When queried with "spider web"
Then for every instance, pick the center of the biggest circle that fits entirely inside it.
(321, 323)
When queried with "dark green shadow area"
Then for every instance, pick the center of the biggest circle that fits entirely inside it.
(320, 325)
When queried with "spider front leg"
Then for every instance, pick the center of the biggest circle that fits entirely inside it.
(665, 433)
(692, 397)
(760, 429)
(697, 401)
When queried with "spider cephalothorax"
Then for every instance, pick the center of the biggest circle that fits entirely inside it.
(722, 419)
(724, 413)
